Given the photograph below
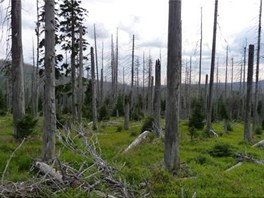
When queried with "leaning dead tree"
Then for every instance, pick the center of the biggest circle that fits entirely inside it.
(48, 138)
(211, 84)
(247, 135)
(171, 155)
(80, 78)
(18, 96)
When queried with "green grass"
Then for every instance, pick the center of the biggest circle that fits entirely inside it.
(200, 172)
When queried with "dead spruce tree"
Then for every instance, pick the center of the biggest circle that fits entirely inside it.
(18, 96)
(171, 155)
(247, 135)
(211, 84)
(157, 95)
(94, 109)
(48, 138)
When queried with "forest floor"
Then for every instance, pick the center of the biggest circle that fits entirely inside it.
(204, 161)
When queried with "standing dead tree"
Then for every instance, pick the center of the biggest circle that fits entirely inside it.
(18, 96)
(94, 109)
(256, 96)
(211, 85)
(48, 138)
(247, 135)
(157, 96)
(171, 153)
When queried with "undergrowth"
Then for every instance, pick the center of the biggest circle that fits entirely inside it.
(203, 161)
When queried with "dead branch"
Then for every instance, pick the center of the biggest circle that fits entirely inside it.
(137, 141)
(259, 144)
(233, 167)
(241, 158)
(10, 158)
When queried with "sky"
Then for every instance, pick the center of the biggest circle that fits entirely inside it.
(147, 20)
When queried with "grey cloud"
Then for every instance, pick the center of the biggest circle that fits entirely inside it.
(101, 31)
(156, 43)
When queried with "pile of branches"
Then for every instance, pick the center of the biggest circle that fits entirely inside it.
(94, 176)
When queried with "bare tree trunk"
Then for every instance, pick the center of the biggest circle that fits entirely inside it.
(255, 110)
(171, 155)
(48, 138)
(94, 110)
(157, 96)
(18, 96)
(126, 121)
(33, 82)
(113, 71)
(116, 66)
(232, 75)
(226, 71)
(80, 91)
(132, 67)
(102, 77)
(37, 62)
(211, 85)
(73, 68)
(96, 62)
(247, 135)
(201, 51)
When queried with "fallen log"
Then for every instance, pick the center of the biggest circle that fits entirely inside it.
(259, 144)
(213, 133)
(47, 170)
(137, 141)
(242, 158)
(235, 166)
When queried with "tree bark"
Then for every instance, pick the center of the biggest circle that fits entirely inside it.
(126, 121)
(80, 91)
(94, 109)
(211, 85)
(18, 96)
(247, 135)
(171, 155)
(255, 110)
(157, 96)
(48, 138)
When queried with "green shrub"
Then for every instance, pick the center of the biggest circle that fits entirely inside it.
(229, 127)
(193, 133)
(197, 117)
(103, 114)
(258, 131)
(26, 126)
(61, 120)
(119, 128)
(147, 124)
(221, 150)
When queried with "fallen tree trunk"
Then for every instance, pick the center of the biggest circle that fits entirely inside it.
(235, 166)
(259, 144)
(137, 141)
(246, 158)
(47, 170)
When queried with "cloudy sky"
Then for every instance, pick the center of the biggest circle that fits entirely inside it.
(147, 20)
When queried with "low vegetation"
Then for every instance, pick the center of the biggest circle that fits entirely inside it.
(204, 161)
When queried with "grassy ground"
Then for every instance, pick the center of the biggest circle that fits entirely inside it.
(200, 171)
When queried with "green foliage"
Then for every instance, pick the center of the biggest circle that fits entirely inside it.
(147, 124)
(222, 109)
(103, 114)
(258, 130)
(193, 132)
(221, 150)
(61, 120)
(119, 128)
(197, 117)
(3, 105)
(26, 126)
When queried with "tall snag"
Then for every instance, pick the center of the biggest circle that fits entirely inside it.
(171, 154)
(48, 138)
(18, 96)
